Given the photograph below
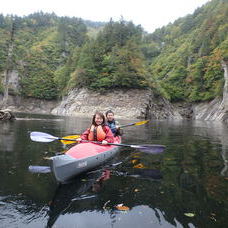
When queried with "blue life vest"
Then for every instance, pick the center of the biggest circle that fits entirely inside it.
(112, 126)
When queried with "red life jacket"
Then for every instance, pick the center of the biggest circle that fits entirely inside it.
(96, 133)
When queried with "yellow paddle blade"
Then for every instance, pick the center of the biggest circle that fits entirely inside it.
(141, 123)
(69, 137)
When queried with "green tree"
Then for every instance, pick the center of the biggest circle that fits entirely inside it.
(113, 60)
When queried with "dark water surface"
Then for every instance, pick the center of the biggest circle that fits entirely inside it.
(186, 186)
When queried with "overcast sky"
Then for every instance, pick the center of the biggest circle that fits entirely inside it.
(151, 14)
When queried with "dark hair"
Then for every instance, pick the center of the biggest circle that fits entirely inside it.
(99, 114)
(109, 111)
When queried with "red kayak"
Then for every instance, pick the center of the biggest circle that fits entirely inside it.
(82, 158)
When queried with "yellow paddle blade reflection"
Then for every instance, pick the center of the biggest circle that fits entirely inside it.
(139, 166)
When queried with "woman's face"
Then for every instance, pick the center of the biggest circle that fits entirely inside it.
(98, 120)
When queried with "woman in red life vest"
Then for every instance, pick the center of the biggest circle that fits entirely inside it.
(98, 131)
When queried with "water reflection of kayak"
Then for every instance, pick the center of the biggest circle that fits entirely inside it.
(81, 158)
(85, 192)
(84, 187)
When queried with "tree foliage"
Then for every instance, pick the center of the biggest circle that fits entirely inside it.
(180, 61)
(191, 50)
(112, 60)
(43, 44)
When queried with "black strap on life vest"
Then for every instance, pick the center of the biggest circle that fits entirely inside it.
(95, 133)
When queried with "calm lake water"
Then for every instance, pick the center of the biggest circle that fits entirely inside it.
(186, 186)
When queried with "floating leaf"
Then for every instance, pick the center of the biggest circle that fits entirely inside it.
(83, 180)
(212, 218)
(189, 214)
(139, 166)
(121, 207)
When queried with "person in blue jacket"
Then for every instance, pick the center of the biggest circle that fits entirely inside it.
(112, 123)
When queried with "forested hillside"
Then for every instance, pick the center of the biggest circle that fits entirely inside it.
(187, 65)
(41, 44)
(52, 55)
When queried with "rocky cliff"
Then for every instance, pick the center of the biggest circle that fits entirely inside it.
(28, 105)
(144, 104)
(125, 104)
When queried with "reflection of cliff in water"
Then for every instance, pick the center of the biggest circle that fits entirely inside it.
(194, 133)
(218, 133)
(7, 136)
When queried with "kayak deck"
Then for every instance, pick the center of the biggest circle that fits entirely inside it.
(88, 149)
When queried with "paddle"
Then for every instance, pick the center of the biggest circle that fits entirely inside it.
(135, 124)
(73, 137)
(39, 169)
(44, 137)
(149, 148)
